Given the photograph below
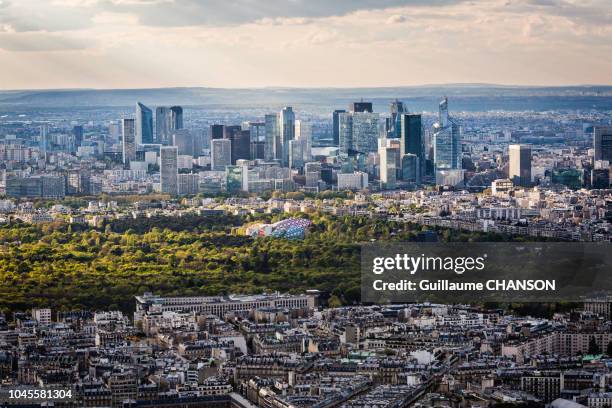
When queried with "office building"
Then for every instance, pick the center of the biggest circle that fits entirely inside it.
(519, 170)
(216, 132)
(296, 154)
(352, 181)
(286, 126)
(394, 122)
(271, 147)
(48, 186)
(257, 136)
(44, 140)
(240, 142)
(388, 165)
(183, 140)
(303, 133)
(361, 107)
(188, 184)
(602, 142)
(600, 178)
(358, 131)
(128, 128)
(237, 178)
(163, 126)
(446, 141)
(144, 124)
(168, 168)
(220, 154)
(336, 126)
(176, 117)
(77, 133)
(411, 168)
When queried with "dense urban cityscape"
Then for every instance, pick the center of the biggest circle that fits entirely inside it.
(195, 206)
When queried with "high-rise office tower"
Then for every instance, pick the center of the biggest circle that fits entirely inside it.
(77, 132)
(220, 154)
(519, 170)
(388, 164)
(336, 126)
(411, 168)
(361, 107)
(240, 142)
(286, 125)
(168, 169)
(216, 132)
(163, 126)
(397, 109)
(257, 132)
(446, 141)
(43, 141)
(411, 138)
(144, 124)
(272, 137)
(177, 117)
(167, 120)
(128, 129)
(411, 134)
(303, 133)
(183, 140)
(602, 143)
(296, 154)
(358, 131)
(365, 132)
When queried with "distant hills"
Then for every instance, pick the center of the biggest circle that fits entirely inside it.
(465, 96)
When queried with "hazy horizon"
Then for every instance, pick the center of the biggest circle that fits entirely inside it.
(144, 44)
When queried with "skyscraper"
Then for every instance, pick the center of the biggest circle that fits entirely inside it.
(177, 117)
(296, 154)
(240, 142)
(220, 154)
(365, 132)
(602, 142)
(520, 165)
(163, 119)
(168, 169)
(345, 133)
(128, 140)
(303, 133)
(257, 132)
(144, 124)
(183, 140)
(411, 168)
(388, 164)
(77, 132)
(361, 107)
(397, 109)
(336, 126)
(286, 125)
(446, 141)
(43, 141)
(216, 132)
(410, 133)
(272, 137)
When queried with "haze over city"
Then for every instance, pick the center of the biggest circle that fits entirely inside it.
(167, 43)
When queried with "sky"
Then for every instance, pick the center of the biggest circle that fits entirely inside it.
(50, 44)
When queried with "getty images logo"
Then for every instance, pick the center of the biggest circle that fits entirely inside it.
(414, 264)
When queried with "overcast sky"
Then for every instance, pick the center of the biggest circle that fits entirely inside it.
(340, 43)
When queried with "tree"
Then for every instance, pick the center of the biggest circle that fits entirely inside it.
(593, 346)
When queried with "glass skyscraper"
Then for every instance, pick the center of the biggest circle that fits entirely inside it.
(144, 124)
(447, 141)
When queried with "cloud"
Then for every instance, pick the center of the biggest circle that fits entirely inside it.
(36, 42)
(396, 19)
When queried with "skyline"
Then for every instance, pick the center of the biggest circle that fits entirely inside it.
(139, 44)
